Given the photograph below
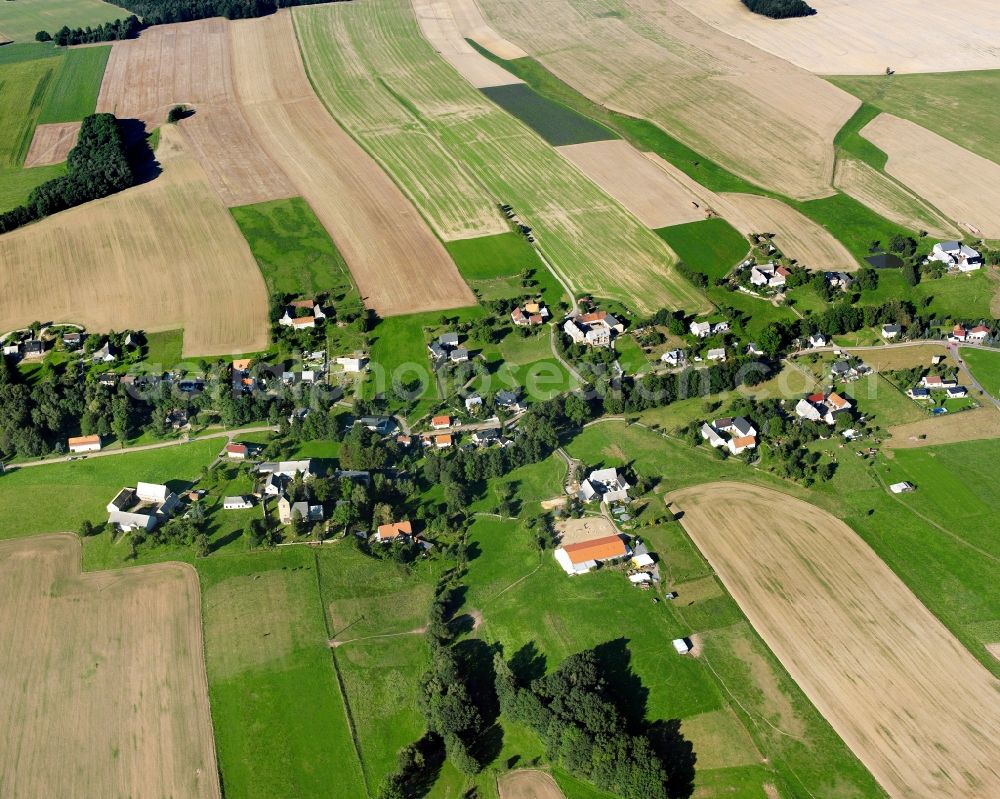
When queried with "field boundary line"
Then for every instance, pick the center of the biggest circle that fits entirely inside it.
(340, 681)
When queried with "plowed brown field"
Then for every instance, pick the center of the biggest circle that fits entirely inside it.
(52, 143)
(102, 678)
(528, 784)
(398, 264)
(159, 256)
(911, 702)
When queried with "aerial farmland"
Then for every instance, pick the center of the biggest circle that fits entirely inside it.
(465, 398)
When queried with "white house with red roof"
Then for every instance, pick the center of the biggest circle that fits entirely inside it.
(822, 407)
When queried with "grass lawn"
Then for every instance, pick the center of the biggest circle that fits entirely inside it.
(488, 257)
(23, 89)
(558, 124)
(280, 724)
(761, 311)
(22, 19)
(985, 367)
(951, 296)
(631, 358)
(956, 105)
(855, 225)
(73, 94)
(295, 253)
(163, 349)
(882, 402)
(91, 483)
(16, 184)
(712, 246)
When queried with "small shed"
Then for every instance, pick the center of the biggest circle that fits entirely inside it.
(682, 645)
(901, 488)
(639, 578)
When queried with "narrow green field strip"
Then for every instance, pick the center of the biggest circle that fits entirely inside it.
(985, 367)
(16, 184)
(557, 124)
(23, 88)
(849, 138)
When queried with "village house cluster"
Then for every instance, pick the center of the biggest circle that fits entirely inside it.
(594, 329)
(735, 434)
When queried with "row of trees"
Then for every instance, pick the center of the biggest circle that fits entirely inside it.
(159, 12)
(97, 166)
(116, 30)
(780, 9)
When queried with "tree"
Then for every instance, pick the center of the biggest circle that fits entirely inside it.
(910, 274)
(43, 36)
(201, 548)
(86, 528)
(176, 114)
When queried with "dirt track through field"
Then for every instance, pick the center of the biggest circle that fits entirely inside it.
(160, 256)
(398, 264)
(918, 710)
(756, 114)
(848, 37)
(102, 678)
(190, 63)
(649, 193)
(52, 143)
(965, 186)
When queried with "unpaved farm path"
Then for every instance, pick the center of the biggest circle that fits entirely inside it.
(911, 702)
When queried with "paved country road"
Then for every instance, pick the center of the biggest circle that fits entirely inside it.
(229, 435)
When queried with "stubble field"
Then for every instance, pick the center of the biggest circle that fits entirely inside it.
(379, 77)
(19, 21)
(965, 186)
(901, 691)
(52, 143)
(859, 37)
(102, 678)
(397, 263)
(724, 98)
(158, 256)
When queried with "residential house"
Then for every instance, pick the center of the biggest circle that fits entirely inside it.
(959, 333)
(979, 334)
(956, 255)
(955, 392)
(106, 354)
(396, 531)
(142, 507)
(33, 349)
(286, 468)
(891, 331)
(448, 340)
(581, 557)
(936, 382)
(716, 354)
(740, 434)
(508, 401)
(753, 349)
(531, 315)
(73, 341)
(458, 355)
(383, 425)
(287, 511)
(706, 329)
(84, 444)
(443, 441)
(236, 452)
(473, 403)
(674, 358)
(839, 280)
(595, 329)
(237, 503)
(817, 340)
(712, 436)
(841, 369)
(12, 350)
(918, 393)
(822, 407)
(352, 363)
(769, 275)
(604, 485)
(485, 438)
(302, 314)
(438, 353)
(440, 422)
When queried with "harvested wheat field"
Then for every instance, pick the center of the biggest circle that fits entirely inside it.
(974, 425)
(159, 256)
(472, 25)
(102, 678)
(724, 98)
(528, 784)
(889, 358)
(649, 193)
(397, 263)
(190, 63)
(858, 37)
(444, 33)
(891, 199)
(965, 186)
(910, 701)
(795, 235)
(52, 143)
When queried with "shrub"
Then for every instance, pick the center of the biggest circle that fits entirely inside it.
(780, 9)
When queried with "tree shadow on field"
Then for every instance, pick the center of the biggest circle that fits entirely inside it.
(623, 686)
(140, 155)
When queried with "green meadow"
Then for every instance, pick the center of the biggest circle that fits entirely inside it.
(20, 20)
(956, 105)
(73, 94)
(711, 246)
(985, 367)
(295, 253)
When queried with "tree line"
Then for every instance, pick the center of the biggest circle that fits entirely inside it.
(116, 30)
(780, 9)
(97, 166)
(159, 12)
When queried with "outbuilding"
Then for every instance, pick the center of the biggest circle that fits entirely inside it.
(682, 645)
(84, 444)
